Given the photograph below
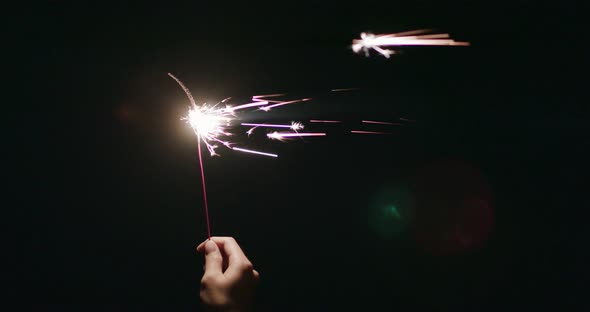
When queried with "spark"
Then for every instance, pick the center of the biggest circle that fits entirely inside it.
(293, 126)
(281, 103)
(343, 89)
(267, 95)
(285, 135)
(419, 37)
(325, 121)
(408, 120)
(253, 104)
(254, 152)
(381, 122)
(257, 101)
(367, 132)
(296, 126)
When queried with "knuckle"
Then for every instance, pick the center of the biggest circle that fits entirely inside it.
(208, 281)
(215, 257)
(246, 266)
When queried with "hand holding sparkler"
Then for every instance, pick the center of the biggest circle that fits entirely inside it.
(229, 281)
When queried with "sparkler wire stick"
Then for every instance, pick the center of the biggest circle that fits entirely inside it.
(192, 100)
(204, 187)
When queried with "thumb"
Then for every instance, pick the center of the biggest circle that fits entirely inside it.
(213, 258)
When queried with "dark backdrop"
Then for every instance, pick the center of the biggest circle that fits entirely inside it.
(487, 185)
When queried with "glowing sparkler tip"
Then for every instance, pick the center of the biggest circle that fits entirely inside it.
(210, 123)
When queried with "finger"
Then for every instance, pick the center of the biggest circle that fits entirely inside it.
(238, 263)
(201, 246)
(230, 247)
(256, 274)
(213, 258)
(201, 249)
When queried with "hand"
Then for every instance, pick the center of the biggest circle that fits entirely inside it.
(229, 281)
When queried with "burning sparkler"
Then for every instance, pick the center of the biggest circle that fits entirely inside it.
(420, 37)
(211, 124)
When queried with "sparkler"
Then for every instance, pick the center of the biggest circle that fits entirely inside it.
(419, 37)
(211, 124)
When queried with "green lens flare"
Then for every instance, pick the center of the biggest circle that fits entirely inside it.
(389, 211)
(394, 211)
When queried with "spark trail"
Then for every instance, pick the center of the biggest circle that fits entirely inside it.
(419, 37)
(324, 121)
(381, 122)
(281, 136)
(367, 132)
(269, 107)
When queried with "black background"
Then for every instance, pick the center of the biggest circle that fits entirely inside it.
(105, 201)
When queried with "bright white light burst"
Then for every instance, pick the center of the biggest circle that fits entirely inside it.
(209, 124)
